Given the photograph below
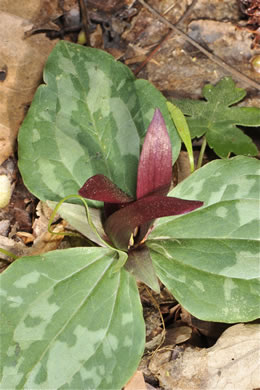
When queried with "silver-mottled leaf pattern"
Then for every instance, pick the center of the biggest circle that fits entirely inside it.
(222, 180)
(69, 322)
(209, 259)
(88, 119)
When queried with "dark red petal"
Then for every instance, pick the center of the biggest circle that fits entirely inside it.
(155, 163)
(100, 187)
(121, 224)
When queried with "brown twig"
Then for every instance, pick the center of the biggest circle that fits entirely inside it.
(212, 57)
(187, 12)
(152, 53)
(167, 36)
(84, 17)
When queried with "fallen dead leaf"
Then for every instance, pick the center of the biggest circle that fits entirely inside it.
(155, 342)
(136, 382)
(40, 224)
(233, 363)
(159, 359)
(10, 245)
(26, 237)
(31, 9)
(177, 335)
(21, 65)
(47, 242)
(150, 387)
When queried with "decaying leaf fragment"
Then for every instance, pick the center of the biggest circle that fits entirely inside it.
(21, 64)
(232, 363)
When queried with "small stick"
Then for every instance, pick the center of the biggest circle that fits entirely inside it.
(202, 151)
(167, 36)
(152, 53)
(212, 57)
(84, 16)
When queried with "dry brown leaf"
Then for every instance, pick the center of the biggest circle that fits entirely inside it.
(136, 382)
(21, 65)
(31, 9)
(150, 387)
(40, 224)
(12, 246)
(155, 342)
(177, 335)
(159, 359)
(47, 242)
(233, 363)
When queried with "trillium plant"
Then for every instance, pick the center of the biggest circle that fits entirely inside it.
(128, 221)
(72, 318)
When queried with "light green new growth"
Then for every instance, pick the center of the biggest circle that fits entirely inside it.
(183, 130)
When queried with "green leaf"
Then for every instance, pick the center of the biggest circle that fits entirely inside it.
(217, 120)
(209, 259)
(183, 130)
(69, 323)
(221, 180)
(86, 120)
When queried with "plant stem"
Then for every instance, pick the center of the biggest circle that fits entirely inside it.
(84, 17)
(9, 254)
(202, 151)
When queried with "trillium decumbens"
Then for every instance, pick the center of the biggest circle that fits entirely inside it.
(127, 221)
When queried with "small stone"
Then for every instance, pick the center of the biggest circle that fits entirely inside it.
(5, 191)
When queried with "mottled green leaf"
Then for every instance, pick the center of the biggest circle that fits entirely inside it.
(215, 286)
(209, 259)
(69, 322)
(218, 120)
(222, 180)
(86, 120)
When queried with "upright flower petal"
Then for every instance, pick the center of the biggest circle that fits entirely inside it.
(155, 163)
(121, 224)
(100, 187)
